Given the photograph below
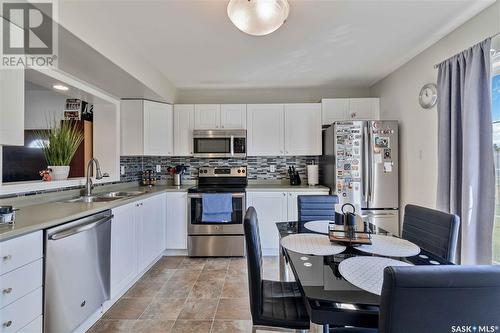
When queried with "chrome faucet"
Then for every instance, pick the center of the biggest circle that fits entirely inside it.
(98, 175)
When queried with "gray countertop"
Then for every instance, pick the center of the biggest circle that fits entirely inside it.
(44, 215)
(272, 187)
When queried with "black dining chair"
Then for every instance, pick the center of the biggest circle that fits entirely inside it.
(432, 230)
(435, 299)
(316, 207)
(273, 304)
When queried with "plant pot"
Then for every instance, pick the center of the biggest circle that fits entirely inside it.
(59, 172)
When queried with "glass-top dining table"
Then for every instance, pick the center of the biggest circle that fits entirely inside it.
(330, 299)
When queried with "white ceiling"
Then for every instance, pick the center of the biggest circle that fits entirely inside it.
(193, 44)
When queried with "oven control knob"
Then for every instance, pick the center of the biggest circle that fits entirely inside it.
(239, 171)
(243, 170)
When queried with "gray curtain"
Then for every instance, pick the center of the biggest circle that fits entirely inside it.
(466, 174)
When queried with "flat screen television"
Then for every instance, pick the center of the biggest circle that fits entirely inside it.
(23, 163)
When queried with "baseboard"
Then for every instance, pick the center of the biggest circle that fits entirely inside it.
(182, 253)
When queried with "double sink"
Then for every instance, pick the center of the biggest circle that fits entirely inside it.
(106, 197)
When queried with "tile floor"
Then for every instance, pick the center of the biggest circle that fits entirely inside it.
(181, 295)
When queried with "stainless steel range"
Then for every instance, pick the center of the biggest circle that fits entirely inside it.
(217, 239)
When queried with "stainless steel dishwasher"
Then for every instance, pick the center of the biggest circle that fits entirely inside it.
(77, 271)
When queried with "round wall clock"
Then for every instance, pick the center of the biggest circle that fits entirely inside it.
(428, 96)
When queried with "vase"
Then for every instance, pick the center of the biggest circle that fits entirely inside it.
(59, 172)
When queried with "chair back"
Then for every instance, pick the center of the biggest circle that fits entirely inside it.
(316, 207)
(432, 230)
(436, 298)
(254, 261)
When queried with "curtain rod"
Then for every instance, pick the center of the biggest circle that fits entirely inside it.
(491, 37)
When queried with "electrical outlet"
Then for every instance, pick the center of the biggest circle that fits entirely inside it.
(272, 168)
(158, 168)
(122, 170)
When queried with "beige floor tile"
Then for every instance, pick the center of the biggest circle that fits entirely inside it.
(176, 289)
(237, 266)
(128, 308)
(171, 261)
(232, 326)
(217, 263)
(199, 309)
(144, 288)
(212, 275)
(271, 274)
(153, 326)
(112, 326)
(185, 275)
(235, 287)
(207, 289)
(164, 309)
(233, 308)
(192, 263)
(192, 326)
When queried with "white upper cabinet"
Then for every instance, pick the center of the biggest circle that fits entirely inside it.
(146, 128)
(207, 116)
(364, 108)
(216, 116)
(303, 129)
(336, 109)
(233, 116)
(266, 129)
(158, 129)
(183, 129)
(12, 107)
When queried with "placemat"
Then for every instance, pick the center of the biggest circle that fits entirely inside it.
(390, 247)
(312, 244)
(367, 273)
(319, 226)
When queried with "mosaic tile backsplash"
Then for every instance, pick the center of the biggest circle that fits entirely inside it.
(257, 167)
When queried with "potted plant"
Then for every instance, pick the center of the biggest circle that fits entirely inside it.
(59, 145)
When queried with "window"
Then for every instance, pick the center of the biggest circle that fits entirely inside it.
(496, 146)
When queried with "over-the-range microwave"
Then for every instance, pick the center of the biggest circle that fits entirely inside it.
(220, 143)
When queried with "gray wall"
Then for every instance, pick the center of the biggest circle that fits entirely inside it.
(398, 94)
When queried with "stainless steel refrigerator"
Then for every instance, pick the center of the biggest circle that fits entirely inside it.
(360, 165)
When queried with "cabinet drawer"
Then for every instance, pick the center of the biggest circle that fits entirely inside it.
(20, 251)
(20, 282)
(36, 326)
(22, 312)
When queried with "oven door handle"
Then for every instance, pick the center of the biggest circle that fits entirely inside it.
(232, 145)
(199, 195)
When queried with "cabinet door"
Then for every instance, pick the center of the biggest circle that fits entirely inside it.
(364, 108)
(293, 209)
(12, 107)
(233, 116)
(207, 116)
(265, 132)
(303, 129)
(123, 248)
(183, 129)
(176, 221)
(271, 207)
(158, 129)
(132, 128)
(153, 211)
(334, 109)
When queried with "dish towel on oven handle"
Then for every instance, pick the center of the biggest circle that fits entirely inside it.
(217, 207)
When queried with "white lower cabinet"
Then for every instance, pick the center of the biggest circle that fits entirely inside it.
(274, 207)
(176, 221)
(137, 239)
(21, 283)
(123, 248)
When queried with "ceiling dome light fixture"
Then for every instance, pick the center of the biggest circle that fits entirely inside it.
(258, 17)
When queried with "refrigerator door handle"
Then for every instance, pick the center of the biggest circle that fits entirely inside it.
(366, 163)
